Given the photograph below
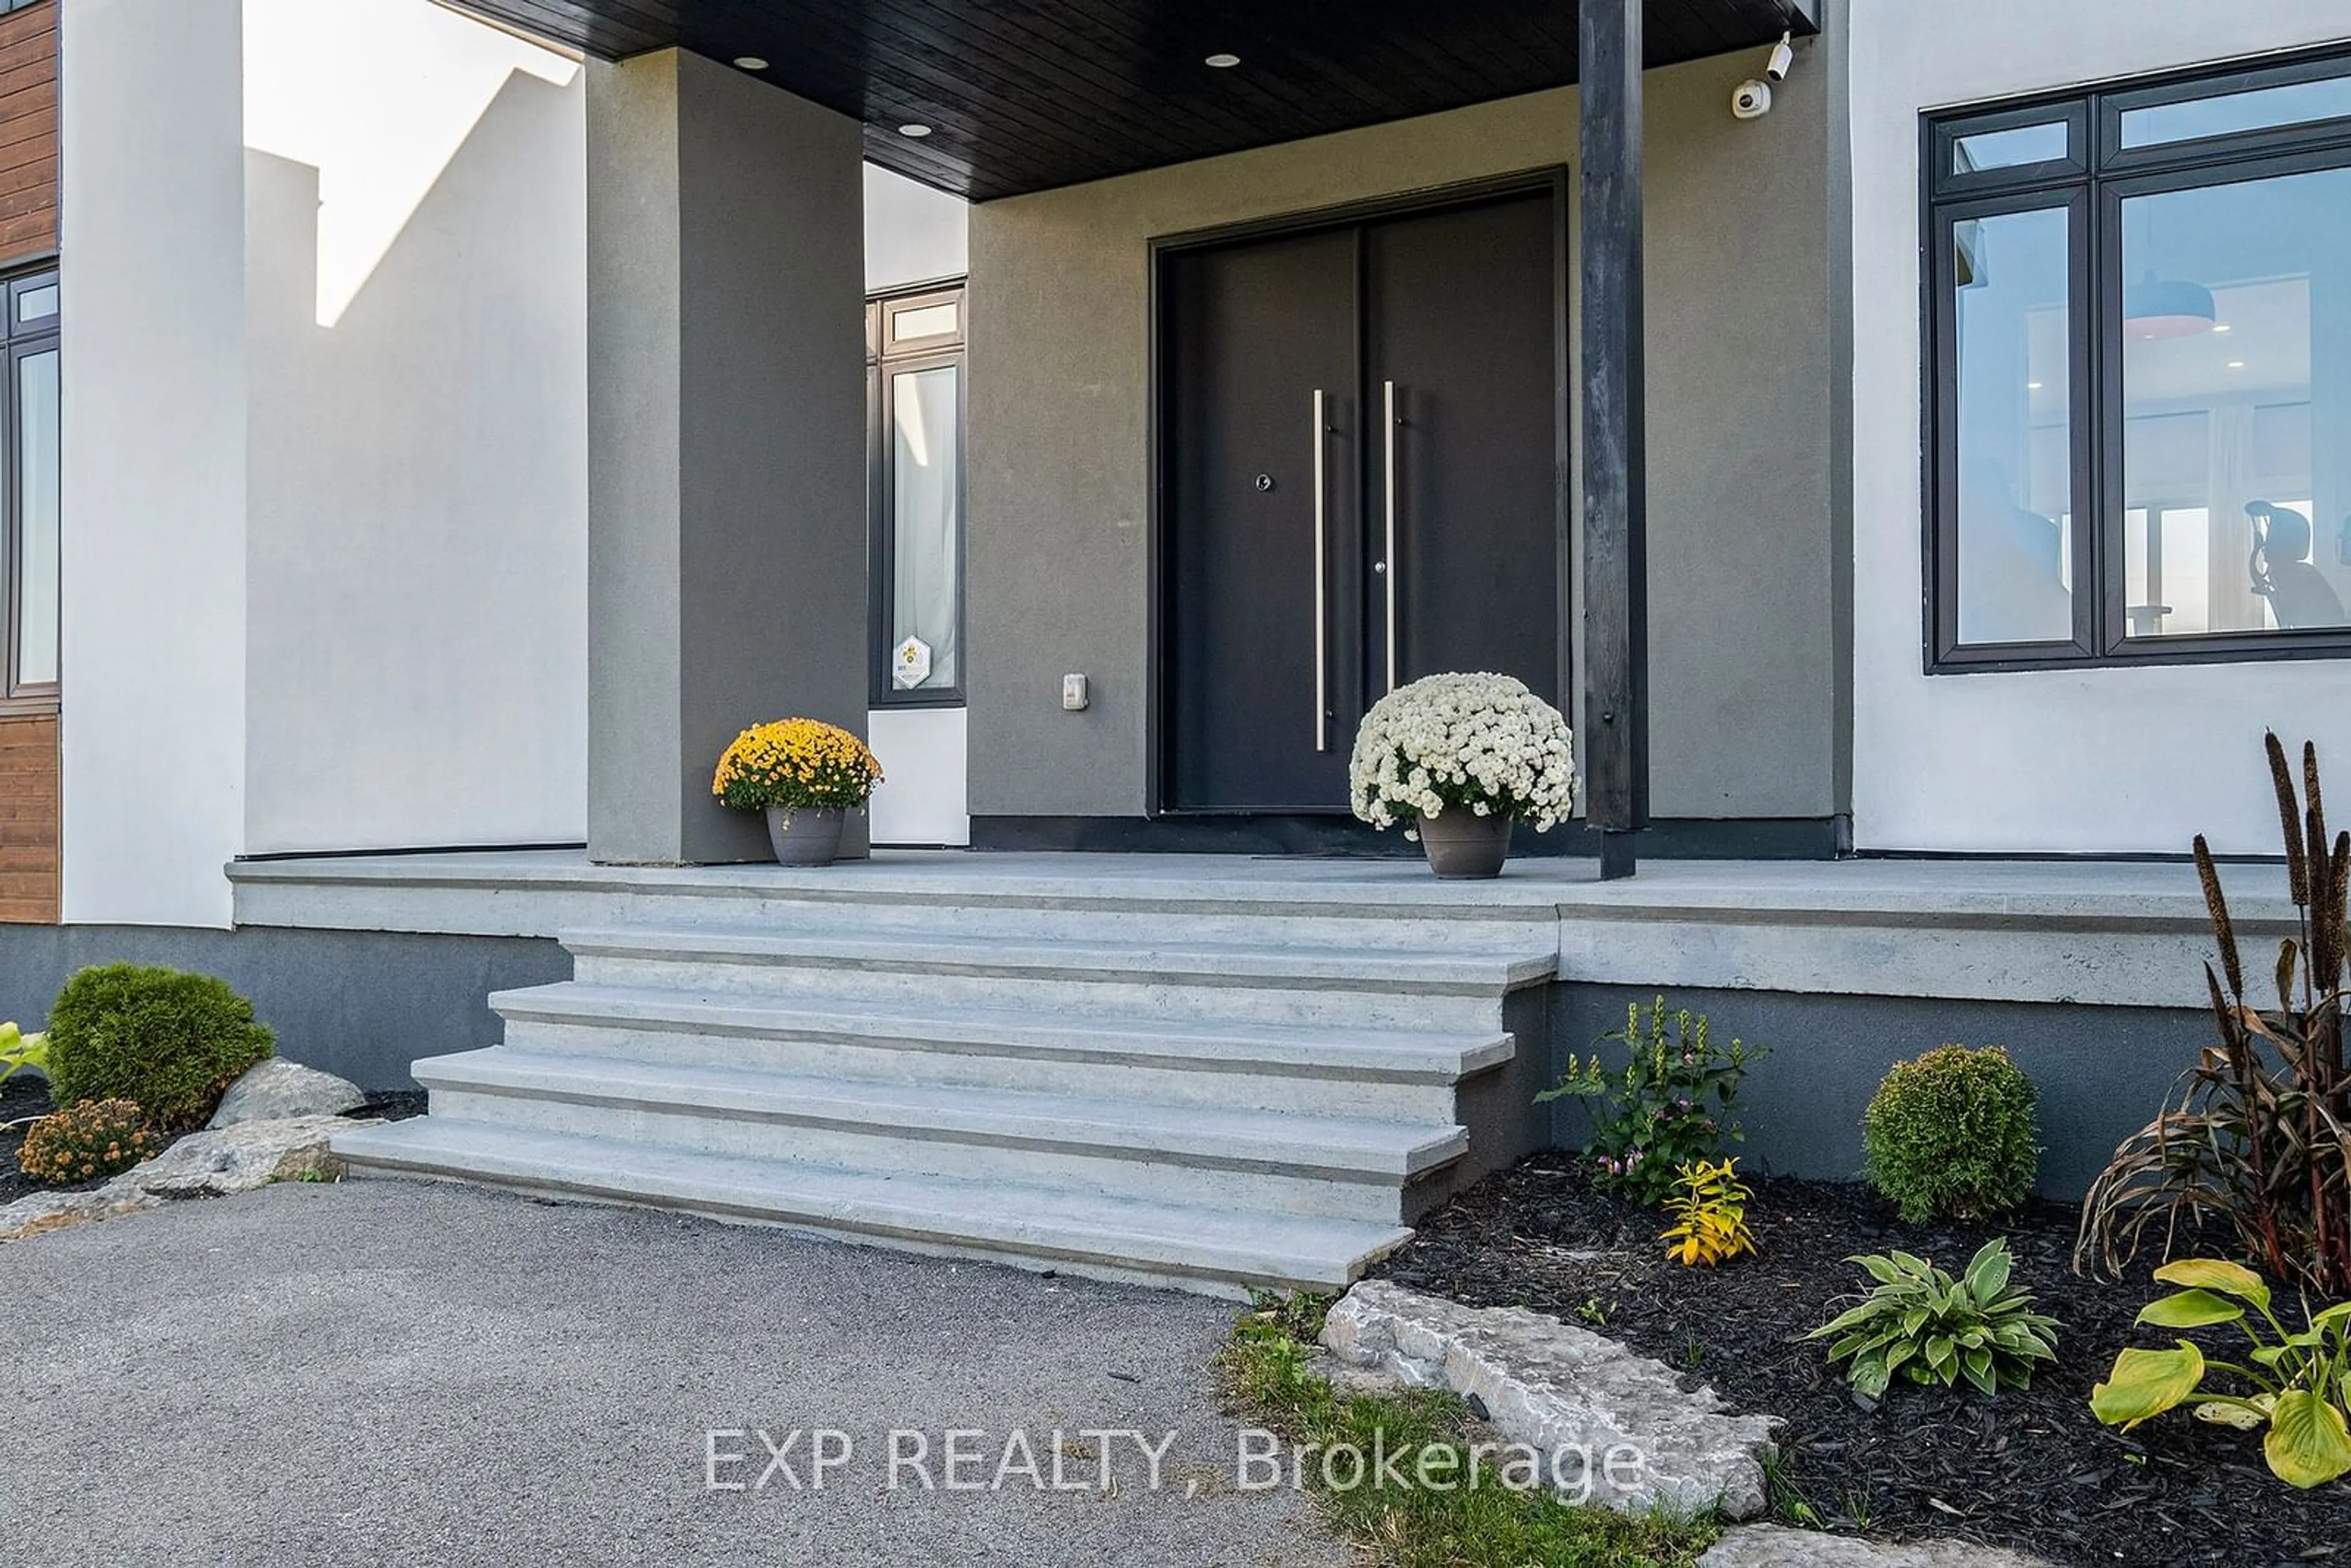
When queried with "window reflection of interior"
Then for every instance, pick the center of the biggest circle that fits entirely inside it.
(2237, 395)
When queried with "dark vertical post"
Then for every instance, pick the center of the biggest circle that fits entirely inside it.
(1616, 549)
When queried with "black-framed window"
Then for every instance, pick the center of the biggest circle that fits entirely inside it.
(30, 541)
(913, 354)
(2139, 333)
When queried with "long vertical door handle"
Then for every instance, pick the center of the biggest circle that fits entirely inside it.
(1322, 612)
(1389, 557)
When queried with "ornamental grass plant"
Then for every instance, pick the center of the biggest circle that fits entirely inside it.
(2258, 1135)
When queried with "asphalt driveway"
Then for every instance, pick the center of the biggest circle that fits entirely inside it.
(397, 1373)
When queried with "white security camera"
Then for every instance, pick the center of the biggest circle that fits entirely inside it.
(1750, 101)
(1783, 55)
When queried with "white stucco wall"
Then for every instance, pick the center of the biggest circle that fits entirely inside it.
(325, 449)
(916, 235)
(2134, 759)
(416, 283)
(913, 234)
(153, 591)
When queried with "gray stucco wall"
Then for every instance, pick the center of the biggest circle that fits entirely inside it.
(363, 1004)
(726, 483)
(2103, 1072)
(1746, 357)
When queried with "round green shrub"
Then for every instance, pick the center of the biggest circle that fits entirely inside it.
(172, 1041)
(1953, 1133)
(85, 1141)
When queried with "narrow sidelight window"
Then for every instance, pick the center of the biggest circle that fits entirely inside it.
(30, 543)
(2139, 338)
(2008, 281)
(916, 355)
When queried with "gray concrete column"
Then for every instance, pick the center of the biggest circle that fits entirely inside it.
(726, 440)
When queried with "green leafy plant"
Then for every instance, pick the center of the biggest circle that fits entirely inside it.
(85, 1141)
(2259, 1134)
(1951, 1132)
(1669, 1105)
(2299, 1380)
(19, 1051)
(1921, 1324)
(171, 1041)
(1709, 1216)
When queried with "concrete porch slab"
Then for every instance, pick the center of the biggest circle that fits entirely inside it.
(2127, 934)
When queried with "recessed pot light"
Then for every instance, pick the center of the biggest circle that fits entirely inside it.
(2223, 326)
(2032, 386)
(916, 129)
(2236, 364)
(1224, 62)
(750, 63)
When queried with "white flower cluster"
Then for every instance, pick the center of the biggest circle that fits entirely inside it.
(1481, 741)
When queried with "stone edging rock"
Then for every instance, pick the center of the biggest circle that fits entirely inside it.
(215, 1164)
(1776, 1546)
(1562, 1389)
(277, 1089)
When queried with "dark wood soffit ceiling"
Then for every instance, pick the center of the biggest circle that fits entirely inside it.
(1025, 95)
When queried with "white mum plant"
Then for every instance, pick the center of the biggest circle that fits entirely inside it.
(1477, 742)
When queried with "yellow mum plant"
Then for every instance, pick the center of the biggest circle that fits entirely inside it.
(798, 764)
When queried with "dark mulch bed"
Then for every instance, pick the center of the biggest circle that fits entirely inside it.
(2030, 1470)
(25, 1095)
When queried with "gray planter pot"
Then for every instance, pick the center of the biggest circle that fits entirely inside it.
(804, 835)
(1462, 845)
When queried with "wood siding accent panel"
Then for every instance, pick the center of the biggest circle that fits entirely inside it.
(28, 135)
(29, 816)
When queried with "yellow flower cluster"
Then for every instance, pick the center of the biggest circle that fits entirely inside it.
(799, 763)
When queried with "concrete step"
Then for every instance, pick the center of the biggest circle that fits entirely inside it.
(1199, 1155)
(1393, 1074)
(1424, 990)
(1047, 897)
(1088, 1233)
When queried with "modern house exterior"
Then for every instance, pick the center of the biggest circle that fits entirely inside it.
(467, 417)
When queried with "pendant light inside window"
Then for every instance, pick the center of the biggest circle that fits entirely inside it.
(2156, 309)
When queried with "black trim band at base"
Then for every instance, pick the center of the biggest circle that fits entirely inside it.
(1755, 838)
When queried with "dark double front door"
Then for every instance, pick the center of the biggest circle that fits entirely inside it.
(1364, 462)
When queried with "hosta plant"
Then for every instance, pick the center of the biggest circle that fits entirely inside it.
(2259, 1135)
(83, 1143)
(19, 1051)
(2295, 1383)
(1669, 1105)
(1476, 743)
(1709, 1213)
(1921, 1324)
